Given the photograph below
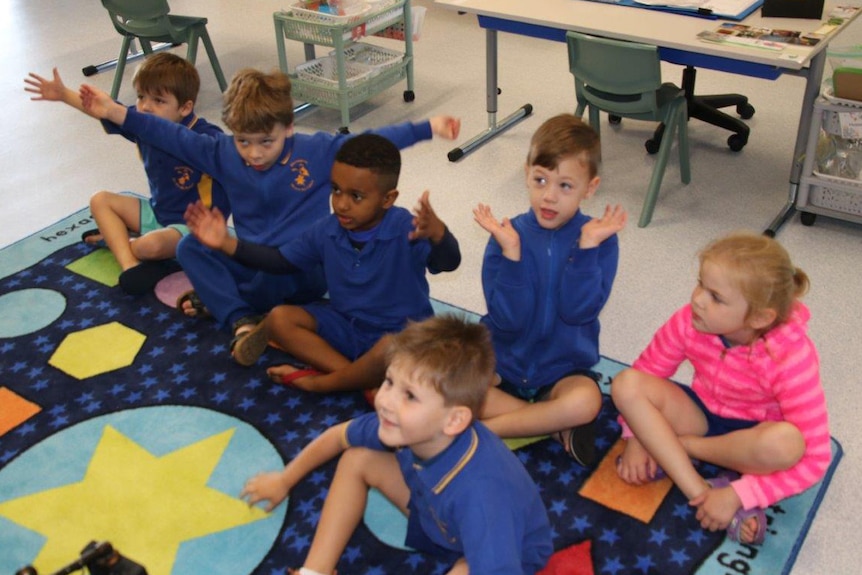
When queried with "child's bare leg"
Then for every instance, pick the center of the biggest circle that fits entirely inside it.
(358, 470)
(295, 331)
(158, 244)
(764, 448)
(116, 215)
(366, 372)
(574, 400)
(658, 412)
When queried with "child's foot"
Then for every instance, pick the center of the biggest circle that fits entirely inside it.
(579, 443)
(143, 277)
(191, 305)
(748, 526)
(92, 237)
(289, 375)
(249, 342)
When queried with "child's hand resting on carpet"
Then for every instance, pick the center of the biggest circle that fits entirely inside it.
(271, 487)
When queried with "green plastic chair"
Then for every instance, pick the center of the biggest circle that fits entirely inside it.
(150, 21)
(624, 80)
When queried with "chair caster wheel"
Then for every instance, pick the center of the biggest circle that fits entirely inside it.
(745, 111)
(614, 119)
(652, 146)
(736, 142)
(409, 95)
(807, 218)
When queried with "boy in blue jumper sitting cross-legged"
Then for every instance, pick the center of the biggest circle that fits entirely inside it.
(278, 184)
(143, 233)
(374, 256)
(547, 274)
(467, 497)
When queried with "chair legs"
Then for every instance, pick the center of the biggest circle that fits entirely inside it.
(676, 124)
(211, 54)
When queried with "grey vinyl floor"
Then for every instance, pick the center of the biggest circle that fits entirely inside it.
(52, 159)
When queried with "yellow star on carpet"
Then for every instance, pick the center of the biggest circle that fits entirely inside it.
(146, 506)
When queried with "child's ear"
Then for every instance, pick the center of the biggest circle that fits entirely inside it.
(592, 187)
(389, 199)
(187, 108)
(459, 419)
(762, 319)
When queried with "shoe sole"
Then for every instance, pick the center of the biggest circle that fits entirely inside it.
(250, 347)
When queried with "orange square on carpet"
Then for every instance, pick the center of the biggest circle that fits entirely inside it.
(606, 488)
(14, 410)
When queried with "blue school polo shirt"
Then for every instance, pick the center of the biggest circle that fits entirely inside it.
(474, 500)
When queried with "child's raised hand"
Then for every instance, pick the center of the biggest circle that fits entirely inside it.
(502, 231)
(597, 230)
(426, 224)
(44, 89)
(716, 507)
(96, 102)
(447, 127)
(269, 487)
(207, 225)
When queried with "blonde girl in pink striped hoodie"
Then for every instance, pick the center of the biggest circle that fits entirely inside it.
(755, 404)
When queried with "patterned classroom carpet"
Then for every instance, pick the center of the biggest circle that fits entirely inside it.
(123, 421)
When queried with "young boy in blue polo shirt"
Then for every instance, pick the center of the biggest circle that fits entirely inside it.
(143, 234)
(277, 181)
(467, 497)
(546, 275)
(374, 257)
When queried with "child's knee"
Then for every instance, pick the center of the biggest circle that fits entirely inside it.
(624, 386)
(783, 445)
(100, 199)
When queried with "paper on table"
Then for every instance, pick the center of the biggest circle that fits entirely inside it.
(716, 6)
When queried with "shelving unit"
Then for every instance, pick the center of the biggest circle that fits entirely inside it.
(827, 195)
(353, 72)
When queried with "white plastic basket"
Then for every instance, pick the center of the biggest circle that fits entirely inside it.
(306, 11)
(324, 71)
(375, 57)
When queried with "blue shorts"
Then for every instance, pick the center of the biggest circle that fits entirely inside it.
(715, 424)
(533, 394)
(149, 223)
(349, 336)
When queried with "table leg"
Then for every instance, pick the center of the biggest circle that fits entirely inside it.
(494, 127)
(94, 69)
(814, 75)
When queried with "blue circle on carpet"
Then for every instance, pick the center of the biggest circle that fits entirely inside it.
(28, 310)
(163, 431)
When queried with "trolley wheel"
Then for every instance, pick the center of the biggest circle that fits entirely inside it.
(745, 111)
(652, 146)
(409, 95)
(736, 142)
(614, 119)
(343, 130)
(807, 218)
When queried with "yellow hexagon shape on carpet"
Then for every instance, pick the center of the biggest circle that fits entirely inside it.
(97, 350)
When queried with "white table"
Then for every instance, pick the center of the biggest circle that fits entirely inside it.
(674, 34)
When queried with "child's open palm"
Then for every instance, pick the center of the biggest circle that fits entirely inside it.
(44, 89)
(597, 230)
(426, 224)
(207, 225)
(502, 231)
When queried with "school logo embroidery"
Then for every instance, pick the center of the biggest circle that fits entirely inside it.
(183, 177)
(302, 181)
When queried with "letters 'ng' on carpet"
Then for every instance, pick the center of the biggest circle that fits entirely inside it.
(122, 420)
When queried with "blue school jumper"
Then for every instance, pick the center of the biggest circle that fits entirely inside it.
(174, 184)
(474, 500)
(270, 208)
(543, 311)
(383, 284)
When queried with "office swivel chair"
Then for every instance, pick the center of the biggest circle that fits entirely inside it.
(149, 21)
(706, 108)
(624, 80)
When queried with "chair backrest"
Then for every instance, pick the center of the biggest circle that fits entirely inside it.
(142, 18)
(616, 76)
